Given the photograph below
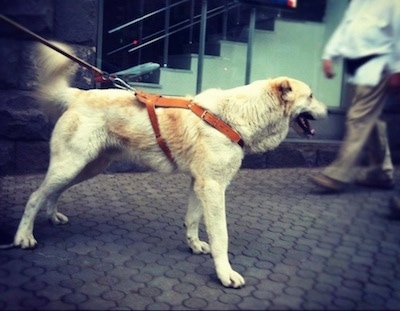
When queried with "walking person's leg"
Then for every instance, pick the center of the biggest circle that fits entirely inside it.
(362, 116)
(380, 171)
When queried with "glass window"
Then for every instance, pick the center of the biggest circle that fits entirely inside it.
(156, 43)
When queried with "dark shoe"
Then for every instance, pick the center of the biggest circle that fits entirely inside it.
(394, 206)
(387, 184)
(328, 183)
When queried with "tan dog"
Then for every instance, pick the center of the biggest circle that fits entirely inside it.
(99, 126)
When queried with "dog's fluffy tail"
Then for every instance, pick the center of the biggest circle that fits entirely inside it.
(54, 72)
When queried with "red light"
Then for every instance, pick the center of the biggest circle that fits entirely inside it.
(292, 3)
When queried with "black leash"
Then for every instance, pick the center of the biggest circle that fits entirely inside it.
(7, 246)
(99, 75)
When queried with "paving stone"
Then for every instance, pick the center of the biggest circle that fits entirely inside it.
(125, 247)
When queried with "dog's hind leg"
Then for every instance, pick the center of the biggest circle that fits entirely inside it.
(192, 220)
(60, 176)
(91, 169)
(45, 196)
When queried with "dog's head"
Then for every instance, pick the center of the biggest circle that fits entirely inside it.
(299, 104)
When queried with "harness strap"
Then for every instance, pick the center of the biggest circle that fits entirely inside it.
(153, 100)
(154, 123)
(217, 123)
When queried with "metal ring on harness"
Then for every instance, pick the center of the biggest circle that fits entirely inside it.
(121, 84)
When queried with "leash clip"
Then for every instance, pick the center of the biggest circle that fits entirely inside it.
(121, 84)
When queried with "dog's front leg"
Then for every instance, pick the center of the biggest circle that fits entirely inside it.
(212, 195)
(192, 221)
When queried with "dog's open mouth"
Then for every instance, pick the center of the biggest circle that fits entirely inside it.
(302, 121)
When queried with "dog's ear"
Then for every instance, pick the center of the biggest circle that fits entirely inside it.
(285, 90)
(284, 86)
(285, 94)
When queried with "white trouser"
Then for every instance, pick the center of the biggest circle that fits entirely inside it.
(364, 130)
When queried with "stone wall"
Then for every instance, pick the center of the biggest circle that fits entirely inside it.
(24, 129)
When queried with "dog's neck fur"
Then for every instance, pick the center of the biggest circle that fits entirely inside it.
(260, 134)
(257, 136)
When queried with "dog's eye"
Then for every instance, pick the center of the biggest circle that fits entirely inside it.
(311, 95)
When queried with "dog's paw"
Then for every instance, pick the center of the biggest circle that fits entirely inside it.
(25, 240)
(199, 247)
(231, 279)
(58, 219)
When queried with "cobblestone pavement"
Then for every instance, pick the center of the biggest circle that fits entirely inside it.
(125, 248)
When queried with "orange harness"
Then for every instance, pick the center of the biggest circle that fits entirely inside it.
(154, 100)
